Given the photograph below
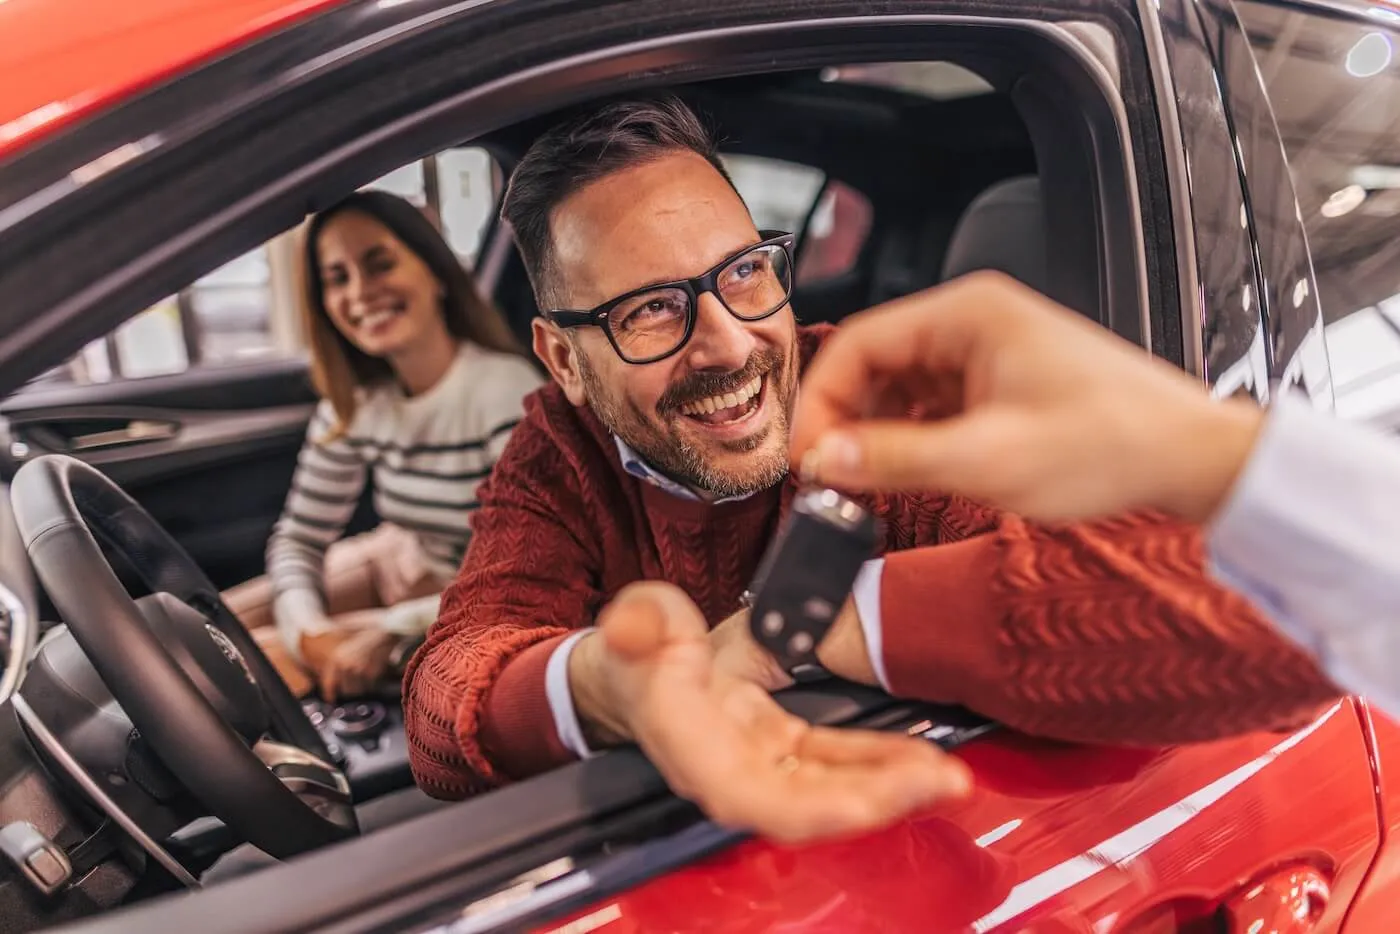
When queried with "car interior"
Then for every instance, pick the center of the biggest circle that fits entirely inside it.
(927, 170)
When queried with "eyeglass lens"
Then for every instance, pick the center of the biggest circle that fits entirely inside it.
(652, 324)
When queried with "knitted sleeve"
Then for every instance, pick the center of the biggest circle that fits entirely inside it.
(475, 707)
(1109, 632)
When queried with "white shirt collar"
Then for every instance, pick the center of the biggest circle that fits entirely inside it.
(636, 465)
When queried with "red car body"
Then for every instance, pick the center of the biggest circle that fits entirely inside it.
(1286, 833)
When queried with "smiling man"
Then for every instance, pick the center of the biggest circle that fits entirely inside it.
(659, 453)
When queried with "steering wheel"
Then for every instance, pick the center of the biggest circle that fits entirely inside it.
(19, 626)
(190, 677)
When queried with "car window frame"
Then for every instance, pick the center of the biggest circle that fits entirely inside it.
(253, 216)
(115, 278)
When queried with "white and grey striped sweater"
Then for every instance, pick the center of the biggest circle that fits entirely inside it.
(425, 454)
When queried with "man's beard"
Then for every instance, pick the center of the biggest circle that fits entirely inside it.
(667, 450)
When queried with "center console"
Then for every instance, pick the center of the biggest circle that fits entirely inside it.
(366, 738)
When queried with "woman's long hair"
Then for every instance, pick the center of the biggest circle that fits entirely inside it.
(338, 367)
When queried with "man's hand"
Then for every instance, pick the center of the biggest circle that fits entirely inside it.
(724, 743)
(602, 711)
(1027, 406)
(739, 656)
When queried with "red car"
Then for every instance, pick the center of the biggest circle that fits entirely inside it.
(1217, 181)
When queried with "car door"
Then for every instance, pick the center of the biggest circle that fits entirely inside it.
(198, 405)
(1334, 93)
(1060, 837)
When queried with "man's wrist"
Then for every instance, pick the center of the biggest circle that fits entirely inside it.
(595, 704)
(844, 651)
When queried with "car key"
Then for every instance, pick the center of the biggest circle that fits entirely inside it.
(806, 576)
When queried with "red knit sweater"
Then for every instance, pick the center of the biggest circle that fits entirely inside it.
(1104, 632)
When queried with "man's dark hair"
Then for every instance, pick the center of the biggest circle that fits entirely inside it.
(583, 149)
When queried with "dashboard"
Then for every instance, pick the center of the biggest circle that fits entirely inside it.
(366, 739)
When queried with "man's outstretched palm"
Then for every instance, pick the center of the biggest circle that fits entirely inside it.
(725, 744)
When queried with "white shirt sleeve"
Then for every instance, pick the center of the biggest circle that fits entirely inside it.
(1311, 535)
(865, 593)
(561, 697)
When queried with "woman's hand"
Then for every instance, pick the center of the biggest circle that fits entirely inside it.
(357, 664)
(350, 658)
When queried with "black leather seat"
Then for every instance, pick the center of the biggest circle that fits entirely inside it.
(1002, 229)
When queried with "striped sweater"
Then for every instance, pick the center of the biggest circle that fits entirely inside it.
(425, 455)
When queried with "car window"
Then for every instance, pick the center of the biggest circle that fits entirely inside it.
(831, 218)
(245, 311)
(1334, 86)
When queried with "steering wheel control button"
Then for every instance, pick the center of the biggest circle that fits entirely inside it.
(42, 862)
(360, 719)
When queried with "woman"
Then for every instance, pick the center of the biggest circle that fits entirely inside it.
(421, 382)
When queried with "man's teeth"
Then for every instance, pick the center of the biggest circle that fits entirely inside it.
(727, 401)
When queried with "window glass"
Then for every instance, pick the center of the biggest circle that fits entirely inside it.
(940, 81)
(406, 182)
(246, 310)
(835, 234)
(787, 196)
(1334, 86)
(779, 194)
(469, 184)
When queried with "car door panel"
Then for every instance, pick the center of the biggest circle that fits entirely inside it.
(209, 454)
(1060, 839)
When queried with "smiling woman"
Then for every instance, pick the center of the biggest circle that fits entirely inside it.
(421, 383)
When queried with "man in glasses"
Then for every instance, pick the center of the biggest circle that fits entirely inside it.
(660, 453)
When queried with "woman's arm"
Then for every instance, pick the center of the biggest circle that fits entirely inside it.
(326, 488)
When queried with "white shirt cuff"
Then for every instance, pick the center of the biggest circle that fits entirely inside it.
(1305, 536)
(865, 593)
(561, 697)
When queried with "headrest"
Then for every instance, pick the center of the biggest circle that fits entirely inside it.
(1002, 229)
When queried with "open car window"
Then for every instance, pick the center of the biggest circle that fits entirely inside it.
(245, 311)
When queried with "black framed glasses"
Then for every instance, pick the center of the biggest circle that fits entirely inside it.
(653, 322)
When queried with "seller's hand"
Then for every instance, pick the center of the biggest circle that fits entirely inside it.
(1028, 406)
(724, 743)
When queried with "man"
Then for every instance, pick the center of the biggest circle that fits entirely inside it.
(661, 453)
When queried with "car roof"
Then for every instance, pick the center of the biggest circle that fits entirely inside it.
(64, 59)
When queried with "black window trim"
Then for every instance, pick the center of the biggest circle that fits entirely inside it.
(279, 205)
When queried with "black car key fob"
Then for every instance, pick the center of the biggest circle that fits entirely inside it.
(806, 576)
